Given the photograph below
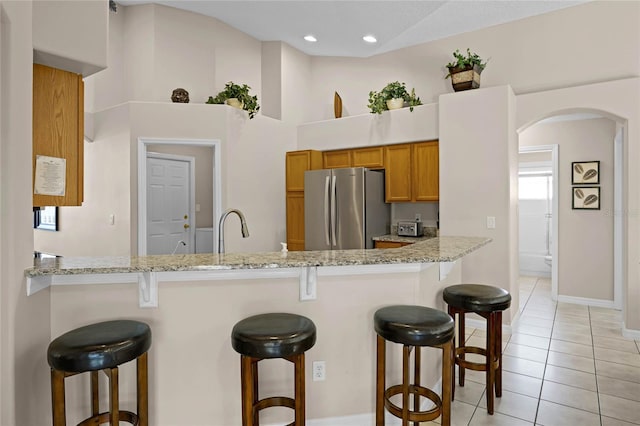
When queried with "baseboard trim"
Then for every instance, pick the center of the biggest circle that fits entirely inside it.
(630, 333)
(600, 303)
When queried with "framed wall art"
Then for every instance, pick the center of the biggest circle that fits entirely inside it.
(586, 198)
(585, 172)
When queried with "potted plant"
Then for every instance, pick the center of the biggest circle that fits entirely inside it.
(393, 96)
(465, 70)
(237, 96)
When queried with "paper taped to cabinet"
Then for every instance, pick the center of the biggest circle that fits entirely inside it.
(51, 175)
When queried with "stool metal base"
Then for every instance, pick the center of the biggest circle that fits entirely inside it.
(383, 394)
(251, 404)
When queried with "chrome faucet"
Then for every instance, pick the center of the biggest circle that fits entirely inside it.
(243, 224)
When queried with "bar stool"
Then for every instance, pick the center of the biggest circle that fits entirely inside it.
(413, 327)
(101, 347)
(488, 302)
(267, 336)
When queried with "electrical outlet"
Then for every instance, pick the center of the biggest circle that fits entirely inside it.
(491, 222)
(418, 217)
(318, 371)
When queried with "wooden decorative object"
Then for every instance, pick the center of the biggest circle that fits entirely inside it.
(337, 105)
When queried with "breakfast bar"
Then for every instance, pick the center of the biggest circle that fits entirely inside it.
(191, 303)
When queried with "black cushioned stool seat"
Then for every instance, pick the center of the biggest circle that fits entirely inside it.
(413, 327)
(488, 302)
(268, 336)
(101, 347)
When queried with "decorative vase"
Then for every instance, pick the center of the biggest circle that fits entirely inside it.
(395, 103)
(465, 78)
(337, 105)
(234, 102)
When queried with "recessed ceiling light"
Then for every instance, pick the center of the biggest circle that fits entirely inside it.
(310, 38)
(370, 39)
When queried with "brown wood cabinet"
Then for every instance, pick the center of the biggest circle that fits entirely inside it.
(426, 171)
(58, 130)
(412, 172)
(389, 244)
(372, 158)
(337, 159)
(297, 162)
(398, 176)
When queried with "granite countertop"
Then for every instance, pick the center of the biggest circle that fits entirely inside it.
(439, 249)
(398, 239)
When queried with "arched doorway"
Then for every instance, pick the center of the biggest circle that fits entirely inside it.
(588, 259)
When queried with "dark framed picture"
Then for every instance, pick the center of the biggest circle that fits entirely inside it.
(46, 218)
(585, 172)
(586, 198)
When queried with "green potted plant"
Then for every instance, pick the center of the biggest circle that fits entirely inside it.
(465, 70)
(393, 96)
(237, 96)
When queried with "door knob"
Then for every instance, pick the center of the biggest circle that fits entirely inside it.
(186, 226)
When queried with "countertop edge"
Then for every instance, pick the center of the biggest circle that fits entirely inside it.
(432, 250)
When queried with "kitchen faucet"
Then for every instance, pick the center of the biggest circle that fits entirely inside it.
(243, 224)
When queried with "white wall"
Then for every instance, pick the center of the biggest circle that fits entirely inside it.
(71, 35)
(478, 158)
(585, 251)
(24, 322)
(521, 55)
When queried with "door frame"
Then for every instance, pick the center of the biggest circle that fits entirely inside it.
(554, 211)
(143, 143)
(192, 193)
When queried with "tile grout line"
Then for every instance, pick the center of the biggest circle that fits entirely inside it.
(544, 372)
(595, 365)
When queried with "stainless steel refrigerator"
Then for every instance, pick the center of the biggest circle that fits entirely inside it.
(344, 208)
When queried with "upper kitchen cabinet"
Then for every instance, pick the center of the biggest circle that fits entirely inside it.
(337, 159)
(372, 158)
(71, 35)
(412, 172)
(299, 162)
(398, 176)
(58, 137)
(426, 171)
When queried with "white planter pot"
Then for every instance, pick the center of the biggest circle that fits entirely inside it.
(395, 103)
(234, 102)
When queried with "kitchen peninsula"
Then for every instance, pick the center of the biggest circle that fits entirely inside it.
(201, 296)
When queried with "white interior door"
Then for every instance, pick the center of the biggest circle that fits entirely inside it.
(170, 204)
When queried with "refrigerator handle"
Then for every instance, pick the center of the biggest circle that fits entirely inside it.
(334, 208)
(326, 211)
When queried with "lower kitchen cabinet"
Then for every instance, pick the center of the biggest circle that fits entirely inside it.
(389, 244)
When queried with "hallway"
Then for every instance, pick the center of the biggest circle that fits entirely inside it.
(564, 364)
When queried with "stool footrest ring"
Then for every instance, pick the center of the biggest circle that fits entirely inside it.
(98, 419)
(476, 366)
(275, 401)
(414, 416)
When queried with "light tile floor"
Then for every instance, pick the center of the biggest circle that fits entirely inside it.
(563, 365)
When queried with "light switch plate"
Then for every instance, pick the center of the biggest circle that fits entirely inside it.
(491, 222)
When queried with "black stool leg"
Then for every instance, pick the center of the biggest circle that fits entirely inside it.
(447, 378)
(380, 379)
(143, 389)
(57, 398)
